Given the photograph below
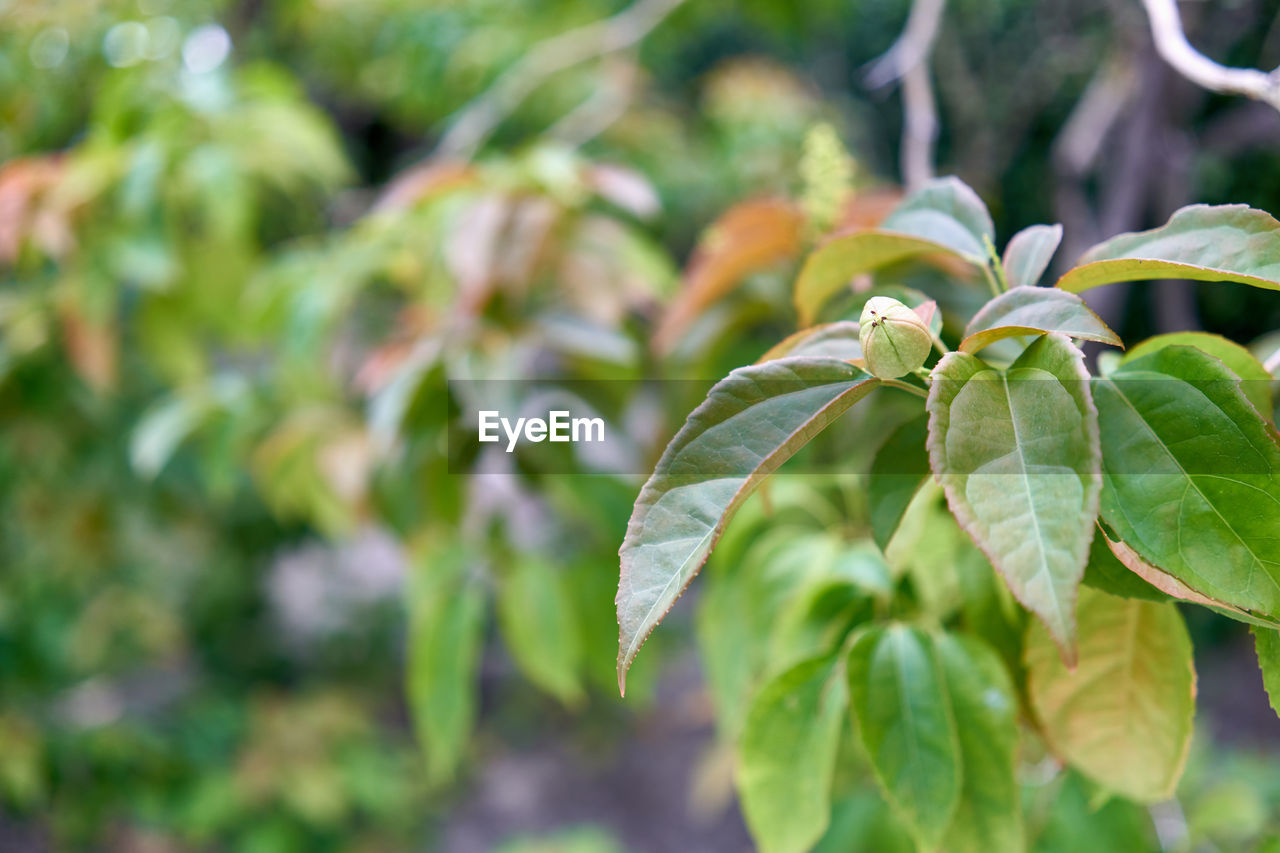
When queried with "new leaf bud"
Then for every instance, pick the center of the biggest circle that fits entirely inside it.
(895, 341)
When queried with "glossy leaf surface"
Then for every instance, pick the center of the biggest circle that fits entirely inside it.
(1230, 242)
(750, 423)
(1255, 381)
(1034, 311)
(1017, 454)
(1192, 475)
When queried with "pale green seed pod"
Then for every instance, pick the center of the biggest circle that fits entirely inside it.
(895, 341)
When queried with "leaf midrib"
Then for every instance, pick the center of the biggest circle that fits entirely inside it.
(1017, 441)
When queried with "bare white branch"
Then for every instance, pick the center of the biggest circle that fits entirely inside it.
(1172, 44)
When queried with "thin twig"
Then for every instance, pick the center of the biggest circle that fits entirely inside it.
(908, 61)
(472, 125)
(1172, 44)
(907, 386)
(605, 106)
(988, 272)
(1001, 278)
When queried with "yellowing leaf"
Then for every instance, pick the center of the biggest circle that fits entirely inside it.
(91, 348)
(1123, 716)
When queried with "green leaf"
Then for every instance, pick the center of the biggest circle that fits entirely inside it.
(1190, 476)
(1266, 642)
(944, 216)
(897, 471)
(737, 614)
(1034, 311)
(904, 718)
(816, 620)
(1123, 716)
(446, 633)
(788, 755)
(829, 340)
(750, 423)
(1171, 587)
(864, 568)
(579, 839)
(947, 212)
(1029, 252)
(1256, 382)
(831, 266)
(1106, 572)
(988, 608)
(840, 593)
(861, 822)
(924, 550)
(1230, 242)
(984, 706)
(1017, 454)
(1076, 822)
(540, 628)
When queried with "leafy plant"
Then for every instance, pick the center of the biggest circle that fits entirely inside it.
(1090, 500)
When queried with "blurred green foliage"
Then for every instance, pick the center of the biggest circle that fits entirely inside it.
(225, 337)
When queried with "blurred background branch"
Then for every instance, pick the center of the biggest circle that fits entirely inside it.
(472, 125)
(907, 62)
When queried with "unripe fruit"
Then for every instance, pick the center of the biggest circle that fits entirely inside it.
(895, 341)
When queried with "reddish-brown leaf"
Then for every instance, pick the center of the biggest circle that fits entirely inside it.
(749, 237)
